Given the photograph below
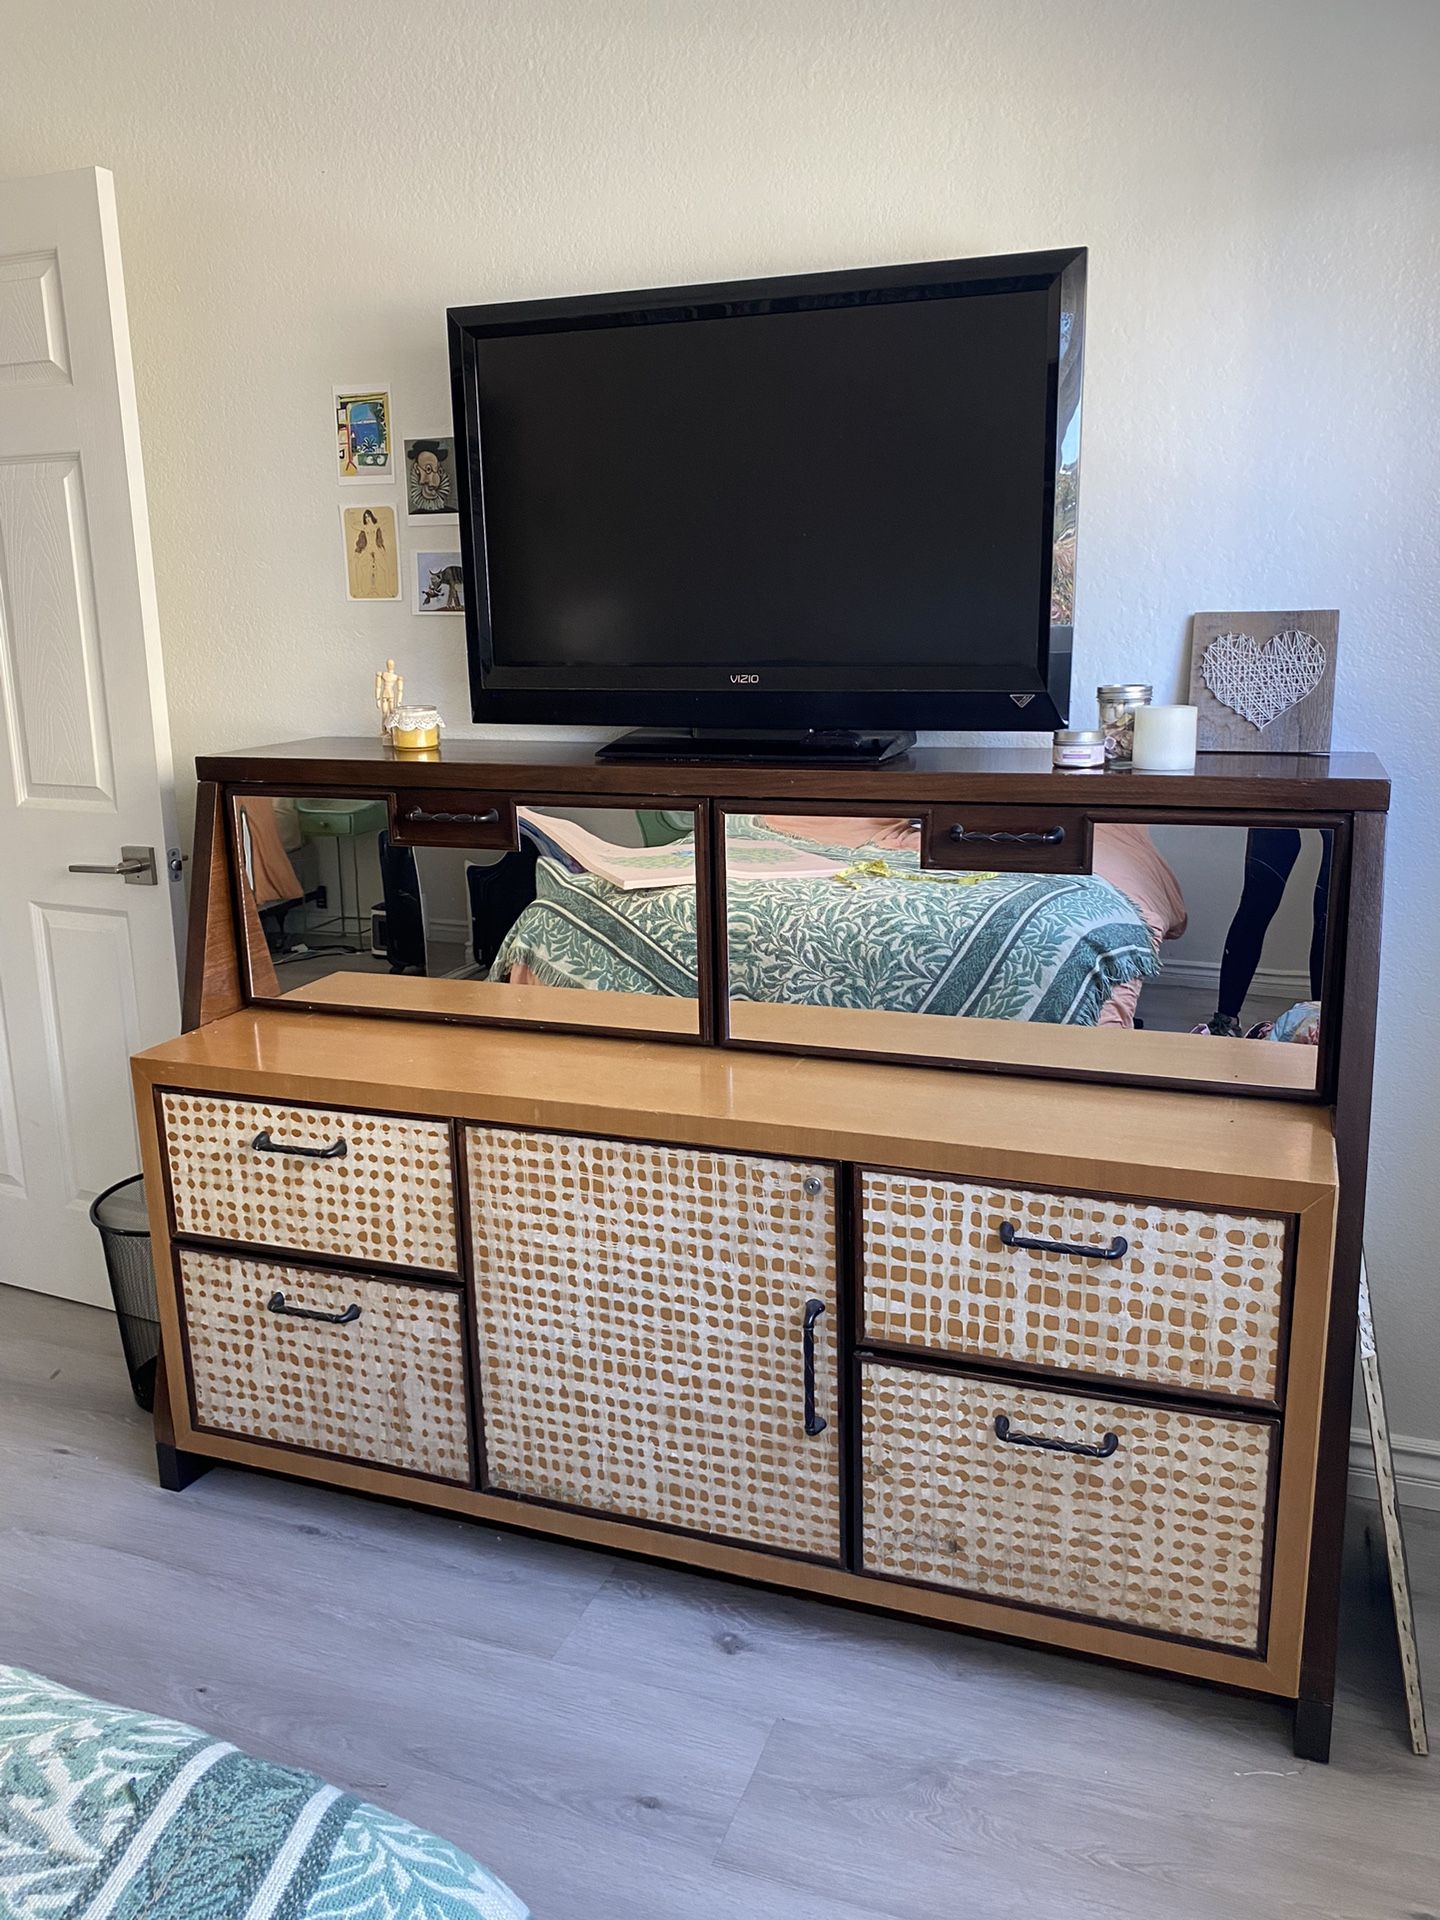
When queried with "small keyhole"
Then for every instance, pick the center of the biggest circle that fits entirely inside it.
(811, 1185)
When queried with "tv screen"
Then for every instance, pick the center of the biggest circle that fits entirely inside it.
(834, 502)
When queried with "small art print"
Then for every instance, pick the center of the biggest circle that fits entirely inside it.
(1264, 682)
(362, 434)
(372, 555)
(430, 476)
(439, 583)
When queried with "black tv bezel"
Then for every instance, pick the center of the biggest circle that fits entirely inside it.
(692, 696)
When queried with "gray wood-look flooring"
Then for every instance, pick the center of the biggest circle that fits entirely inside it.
(624, 1742)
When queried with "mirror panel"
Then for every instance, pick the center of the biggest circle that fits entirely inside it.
(587, 919)
(1188, 953)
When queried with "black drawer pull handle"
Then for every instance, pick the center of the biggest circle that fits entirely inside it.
(423, 817)
(972, 837)
(813, 1423)
(262, 1143)
(1011, 1236)
(277, 1303)
(1004, 1431)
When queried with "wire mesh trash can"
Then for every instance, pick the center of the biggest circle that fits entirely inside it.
(120, 1217)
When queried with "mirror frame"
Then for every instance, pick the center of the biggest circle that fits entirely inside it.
(244, 915)
(1086, 1059)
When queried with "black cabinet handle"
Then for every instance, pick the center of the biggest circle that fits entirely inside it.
(1109, 1444)
(1035, 837)
(262, 1143)
(1011, 1236)
(813, 1423)
(277, 1303)
(423, 817)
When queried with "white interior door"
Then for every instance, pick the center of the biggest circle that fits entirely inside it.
(88, 961)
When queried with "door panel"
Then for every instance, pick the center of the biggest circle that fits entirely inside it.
(88, 964)
(642, 1327)
(54, 696)
(92, 1026)
(32, 321)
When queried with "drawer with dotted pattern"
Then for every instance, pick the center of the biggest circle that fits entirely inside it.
(346, 1364)
(1136, 1290)
(361, 1186)
(1148, 1516)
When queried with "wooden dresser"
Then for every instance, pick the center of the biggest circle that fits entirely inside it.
(1042, 1333)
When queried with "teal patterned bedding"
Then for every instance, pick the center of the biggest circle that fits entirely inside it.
(107, 1814)
(1001, 947)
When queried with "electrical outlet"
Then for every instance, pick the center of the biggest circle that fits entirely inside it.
(321, 898)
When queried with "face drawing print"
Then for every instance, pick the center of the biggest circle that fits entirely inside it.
(429, 477)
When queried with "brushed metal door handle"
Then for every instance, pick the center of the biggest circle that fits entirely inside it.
(136, 867)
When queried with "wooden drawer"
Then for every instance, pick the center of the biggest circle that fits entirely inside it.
(270, 1175)
(347, 1364)
(1009, 839)
(1196, 1300)
(459, 819)
(1164, 1526)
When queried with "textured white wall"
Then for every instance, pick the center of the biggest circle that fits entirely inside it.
(303, 190)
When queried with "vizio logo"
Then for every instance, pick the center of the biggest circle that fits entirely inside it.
(744, 679)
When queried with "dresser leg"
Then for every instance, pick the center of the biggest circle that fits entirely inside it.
(178, 1470)
(1312, 1729)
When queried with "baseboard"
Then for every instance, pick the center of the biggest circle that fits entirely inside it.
(1417, 1469)
(1273, 983)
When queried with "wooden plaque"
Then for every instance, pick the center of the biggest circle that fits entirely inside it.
(1264, 682)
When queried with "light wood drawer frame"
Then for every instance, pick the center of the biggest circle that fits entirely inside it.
(434, 1242)
(875, 1336)
(321, 1284)
(1035, 1405)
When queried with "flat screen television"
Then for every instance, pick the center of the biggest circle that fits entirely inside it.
(800, 509)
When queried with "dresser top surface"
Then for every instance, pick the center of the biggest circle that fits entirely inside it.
(1238, 782)
(1219, 1149)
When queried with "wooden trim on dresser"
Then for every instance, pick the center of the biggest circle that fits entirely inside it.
(465, 1252)
(1359, 992)
(1261, 783)
(214, 974)
(1199, 1149)
(1244, 1672)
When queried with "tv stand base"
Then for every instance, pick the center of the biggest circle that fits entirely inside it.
(815, 746)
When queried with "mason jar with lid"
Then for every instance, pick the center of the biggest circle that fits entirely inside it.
(1117, 719)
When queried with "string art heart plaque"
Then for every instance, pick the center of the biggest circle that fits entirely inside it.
(1264, 682)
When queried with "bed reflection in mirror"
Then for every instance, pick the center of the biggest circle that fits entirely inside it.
(1188, 953)
(587, 918)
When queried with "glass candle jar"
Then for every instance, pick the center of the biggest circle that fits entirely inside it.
(1117, 719)
(415, 729)
(1165, 739)
(1077, 747)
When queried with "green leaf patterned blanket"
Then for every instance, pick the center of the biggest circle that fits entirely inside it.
(107, 1814)
(884, 933)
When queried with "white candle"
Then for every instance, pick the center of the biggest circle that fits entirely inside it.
(1165, 739)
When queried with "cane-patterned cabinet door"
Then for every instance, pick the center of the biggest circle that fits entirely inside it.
(1139, 1290)
(363, 1186)
(347, 1364)
(1147, 1516)
(656, 1333)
